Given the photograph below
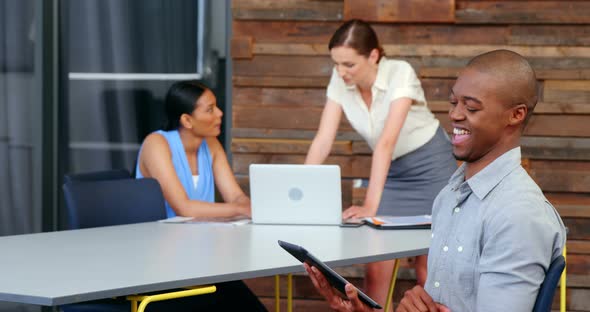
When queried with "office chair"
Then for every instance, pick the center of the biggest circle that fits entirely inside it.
(547, 290)
(113, 202)
(93, 201)
(563, 279)
(115, 174)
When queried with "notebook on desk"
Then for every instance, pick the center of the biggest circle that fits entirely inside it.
(405, 222)
(295, 194)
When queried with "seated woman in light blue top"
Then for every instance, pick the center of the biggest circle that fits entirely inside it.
(187, 159)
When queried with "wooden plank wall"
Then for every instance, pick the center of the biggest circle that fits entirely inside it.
(281, 66)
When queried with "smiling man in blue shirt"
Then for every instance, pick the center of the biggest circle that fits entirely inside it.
(494, 233)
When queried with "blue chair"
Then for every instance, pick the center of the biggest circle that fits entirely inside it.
(113, 202)
(547, 290)
(115, 174)
(112, 198)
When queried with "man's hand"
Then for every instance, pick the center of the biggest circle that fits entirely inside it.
(336, 302)
(358, 212)
(417, 299)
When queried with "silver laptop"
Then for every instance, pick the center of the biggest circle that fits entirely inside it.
(295, 194)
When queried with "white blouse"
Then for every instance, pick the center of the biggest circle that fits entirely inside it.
(395, 79)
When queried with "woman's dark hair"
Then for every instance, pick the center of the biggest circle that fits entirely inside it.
(181, 99)
(358, 35)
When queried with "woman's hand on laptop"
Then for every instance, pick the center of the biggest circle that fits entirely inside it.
(245, 209)
(353, 304)
(355, 211)
(242, 205)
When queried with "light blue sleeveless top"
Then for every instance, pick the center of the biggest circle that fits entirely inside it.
(205, 190)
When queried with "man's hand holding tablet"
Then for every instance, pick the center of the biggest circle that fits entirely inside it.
(325, 280)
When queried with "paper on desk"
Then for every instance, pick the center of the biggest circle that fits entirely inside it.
(212, 221)
(177, 219)
(395, 221)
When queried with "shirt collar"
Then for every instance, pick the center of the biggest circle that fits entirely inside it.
(381, 79)
(457, 178)
(485, 180)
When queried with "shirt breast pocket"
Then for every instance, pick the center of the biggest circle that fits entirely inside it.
(464, 266)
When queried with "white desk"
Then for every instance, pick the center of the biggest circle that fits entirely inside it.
(74, 266)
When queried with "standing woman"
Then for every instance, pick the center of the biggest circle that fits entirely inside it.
(384, 102)
(187, 160)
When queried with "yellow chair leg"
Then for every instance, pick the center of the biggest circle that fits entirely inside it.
(277, 293)
(391, 285)
(133, 305)
(562, 286)
(145, 300)
(290, 292)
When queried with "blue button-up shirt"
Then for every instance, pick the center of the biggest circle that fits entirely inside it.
(493, 238)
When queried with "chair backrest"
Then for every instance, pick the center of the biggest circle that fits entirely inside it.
(547, 290)
(114, 174)
(113, 202)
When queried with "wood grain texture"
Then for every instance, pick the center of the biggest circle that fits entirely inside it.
(289, 134)
(400, 10)
(523, 12)
(305, 118)
(401, 50)
(561, 176)
(554, 35)
(567, 91)
(241, 47)
(291, 66)
(284, 146)
(285, 82)
(320, 32)
(287, 10)
(272, 96)
(559, 125)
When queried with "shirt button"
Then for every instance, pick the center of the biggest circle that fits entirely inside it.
(436, 284)
(457, 209)
(446, 248)
(432, 235)
(460, 249)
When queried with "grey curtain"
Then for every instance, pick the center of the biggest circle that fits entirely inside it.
(17, 72)
(17, 106)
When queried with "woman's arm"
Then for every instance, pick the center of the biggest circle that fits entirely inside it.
(155, 162)
(382, 159)
(225, 179)
(324, 138)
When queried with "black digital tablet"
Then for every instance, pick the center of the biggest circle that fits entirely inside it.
(333, 278)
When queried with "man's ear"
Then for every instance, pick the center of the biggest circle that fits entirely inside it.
(518, 114)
